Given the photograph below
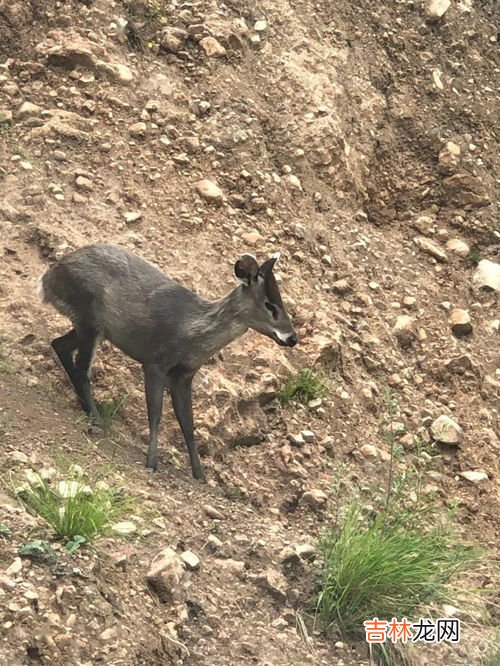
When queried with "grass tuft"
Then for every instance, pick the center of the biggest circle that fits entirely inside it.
(375, 568)
(305, 385)
(72, 507)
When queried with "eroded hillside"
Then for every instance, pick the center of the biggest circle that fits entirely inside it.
(358, 138)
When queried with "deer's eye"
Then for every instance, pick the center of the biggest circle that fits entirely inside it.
(272, 309)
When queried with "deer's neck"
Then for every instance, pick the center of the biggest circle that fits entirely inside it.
(218, 324)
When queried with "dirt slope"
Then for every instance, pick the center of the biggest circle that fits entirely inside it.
(359, 139)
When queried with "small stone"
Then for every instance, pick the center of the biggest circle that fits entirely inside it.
(165, 574)
(124, 528)
(212, 47)
(132, 216)
(458, 246)
(487, 275)
(369, 451)
(409, 302)
(289, 556)
(436, 77)
(435, 9)
(460, 322)
(252, 237)
(26, 165)
(5, 116)
(294, 182)
(449, 156)
(306, 551)
(474, 477)
(209, 191)
(446, 430)
(214, 542)
(121, 73)
(260, 26)
(404, 330)
(297, 440)
(314, 498)
(341, 286)
(138, 129)
(275, 582)
(15, 567)
(212, 512)
(191, 560)
(7, 583)
(234, 566)
(315, 404)
(84, 183)
(430, 247)
(109, 633)
(28, 109)
(308, 436)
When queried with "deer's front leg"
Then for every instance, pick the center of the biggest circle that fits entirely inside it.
(180, 392)
(154, 380)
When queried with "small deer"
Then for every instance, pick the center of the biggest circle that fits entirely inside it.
(109, 293)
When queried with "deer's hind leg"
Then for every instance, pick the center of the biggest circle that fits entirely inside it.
(78, 370)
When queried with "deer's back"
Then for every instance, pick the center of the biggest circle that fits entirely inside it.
(124, 298)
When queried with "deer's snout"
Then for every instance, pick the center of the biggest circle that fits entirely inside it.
(292, 340)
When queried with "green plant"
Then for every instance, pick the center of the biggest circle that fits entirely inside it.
(73, 508)
(4, 530)
(38, 550)
(109, 410)
(474, 255)
(305, 385)
(379, 568)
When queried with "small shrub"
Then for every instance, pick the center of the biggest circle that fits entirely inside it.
(306, 385)
(38, 550)
(474, 255)
(4, 530)
(72, 508)
(373, 568)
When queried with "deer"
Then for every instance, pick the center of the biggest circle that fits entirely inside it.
(110, 293)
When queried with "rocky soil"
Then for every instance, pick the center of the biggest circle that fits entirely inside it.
(360, 140)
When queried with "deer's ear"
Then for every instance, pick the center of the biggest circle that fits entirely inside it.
(246, 268)
(268, 265)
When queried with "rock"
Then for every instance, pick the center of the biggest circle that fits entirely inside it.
(260, 26)
(466, 190)
(84, 183)
(435, 9)
(306, 551)
(124, 528)
(460, 322)
(369, 451)
(165, 575)
(214, 542)
(409, 302)
(5, 116)
(314, 498)
(212, 512)
(458, 246)
(28, 109)
(446, 430)
(308, 436)
(132, 216)
(404, 330)
(7, 583)
(474, 477)
(341, 286)
(109, 633)
(209, 191)
(15, 567)
(121, 73)
(170, 42)
(234, 566)
(449, 156)
(274, 582)
(252, 237)
(289, 556)
(212, 47)
(487, 275)
(191, 560)
(430, 247)
(138, 129)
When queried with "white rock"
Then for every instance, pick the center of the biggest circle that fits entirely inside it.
(435, 9)
(487, 275)
(165, 574)
(260, 26)
(212, 47)
(369, 451)
(430, 247)
(132, 216)
(474, 477)
(458, 246)
(122, 73)
(209, 191)
(446, 430)
(124, 527)
(404, 330)
(15, 567)
(191, 560)
(308, 435)
(314, 497)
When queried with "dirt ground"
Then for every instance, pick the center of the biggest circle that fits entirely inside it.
(358, 139)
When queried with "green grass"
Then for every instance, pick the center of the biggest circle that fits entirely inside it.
(474, 255)
(72, 507)
(109, 410)
(305, 385)
(380, 567)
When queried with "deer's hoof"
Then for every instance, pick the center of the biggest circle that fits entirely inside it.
(152, 465)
